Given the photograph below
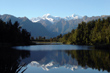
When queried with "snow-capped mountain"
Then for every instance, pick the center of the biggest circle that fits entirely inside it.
(53, 19)
(73, 16)
(48, 17)
(25, 23)
(58, 25)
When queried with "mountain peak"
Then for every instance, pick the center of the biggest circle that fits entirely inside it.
(46, 15)
(52, 19)
(73, 16)
(23, 18)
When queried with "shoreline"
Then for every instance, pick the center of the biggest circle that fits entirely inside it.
(47, 43)
(97, 46)
(9, 45)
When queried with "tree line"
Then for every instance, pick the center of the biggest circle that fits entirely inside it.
(95, 59)
(13, 34)
(44, 39)
(91, 33)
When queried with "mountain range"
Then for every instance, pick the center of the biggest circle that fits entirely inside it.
(54, 19)
(48, 25)
(58, 25)
(36, 29)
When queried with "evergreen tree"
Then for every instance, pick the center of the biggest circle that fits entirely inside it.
(11, 33)
(91, 33)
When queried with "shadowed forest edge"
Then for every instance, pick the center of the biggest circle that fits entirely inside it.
(96, 32)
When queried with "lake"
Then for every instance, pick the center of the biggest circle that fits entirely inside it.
(54, 59)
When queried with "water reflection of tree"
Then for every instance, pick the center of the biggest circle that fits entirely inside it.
(10, 60)
(96, 59)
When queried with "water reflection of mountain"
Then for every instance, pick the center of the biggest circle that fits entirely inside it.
(95, 59)
(14, 61)
(51, 59)
(75, 59)
(10, 60)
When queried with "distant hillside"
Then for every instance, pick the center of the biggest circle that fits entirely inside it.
(36, 29)
(48, 25)
(58, 25)
(95, 32)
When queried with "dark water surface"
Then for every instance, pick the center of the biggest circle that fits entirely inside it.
(54, 59)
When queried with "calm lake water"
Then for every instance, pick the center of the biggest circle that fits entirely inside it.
(54, 59)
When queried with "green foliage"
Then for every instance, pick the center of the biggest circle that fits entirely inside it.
(91, 33)
(12, 33)
(96, 59)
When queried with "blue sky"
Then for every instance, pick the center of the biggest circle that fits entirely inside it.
(62, 8)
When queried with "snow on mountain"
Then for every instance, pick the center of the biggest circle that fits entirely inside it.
(36, 19)
(48, 17)
(54, 65)
(53, 19)
(73, 16)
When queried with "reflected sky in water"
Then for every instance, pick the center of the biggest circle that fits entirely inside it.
(53, 47)
(55, 59)
(54, 62)
(33, 69)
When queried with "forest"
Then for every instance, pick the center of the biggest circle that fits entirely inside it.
(95, 59)
(12, 34)
(95, 32)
